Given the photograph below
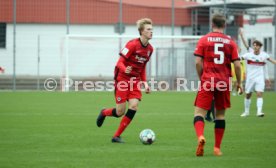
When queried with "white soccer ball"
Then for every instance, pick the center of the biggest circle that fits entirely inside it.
(147, 136)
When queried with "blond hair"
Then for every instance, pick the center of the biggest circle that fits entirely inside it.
(141, 24)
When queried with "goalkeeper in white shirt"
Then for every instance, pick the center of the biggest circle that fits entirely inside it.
(256, 77)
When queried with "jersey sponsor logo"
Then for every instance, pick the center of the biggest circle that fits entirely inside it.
(140, 59)
(256, 63)
(256, 59)
(124, 51)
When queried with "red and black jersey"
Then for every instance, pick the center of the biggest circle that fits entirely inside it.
(136, 55)
(218, 51)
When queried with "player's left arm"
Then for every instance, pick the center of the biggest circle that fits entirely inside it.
(144, 80)
(237, 66)
(199, 66)
(271, 60)
(267, 81)
(199, 54)
(144, 75)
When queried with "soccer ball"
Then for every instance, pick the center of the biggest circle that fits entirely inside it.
(147, 136)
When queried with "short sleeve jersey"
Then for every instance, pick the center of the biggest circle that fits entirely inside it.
(255, 65)
(218, 51)
(137, 55)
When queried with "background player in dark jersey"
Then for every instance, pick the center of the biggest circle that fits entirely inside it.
(211, 111)
(214, 54)
(129, 74)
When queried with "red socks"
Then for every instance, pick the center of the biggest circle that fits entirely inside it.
(107, 112)
(219, 129)
(125, 122)
(219, 132)
(199, 126)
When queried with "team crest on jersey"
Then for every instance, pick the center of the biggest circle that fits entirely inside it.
(119, 99)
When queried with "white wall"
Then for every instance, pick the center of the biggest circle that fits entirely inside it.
(27, 46)
(87, 57)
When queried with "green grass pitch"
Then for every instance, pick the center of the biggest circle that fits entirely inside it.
(53, 129)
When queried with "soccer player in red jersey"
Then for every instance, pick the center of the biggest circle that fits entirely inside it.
(129, 74)
(214, 54)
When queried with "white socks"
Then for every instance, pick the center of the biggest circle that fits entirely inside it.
(247, 103)
(259, 105)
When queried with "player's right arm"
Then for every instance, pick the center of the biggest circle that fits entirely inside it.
(243, 39)
(199, 66)
(199, 53)
(121, 64)
(125, 53)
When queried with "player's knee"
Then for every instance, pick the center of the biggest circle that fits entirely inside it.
(220, 114)
(120, 111)
(248, 96)
(220, 117)
(200, 112)
(259, 94)
(133, 107)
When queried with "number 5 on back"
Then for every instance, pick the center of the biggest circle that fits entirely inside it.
(220, 53)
